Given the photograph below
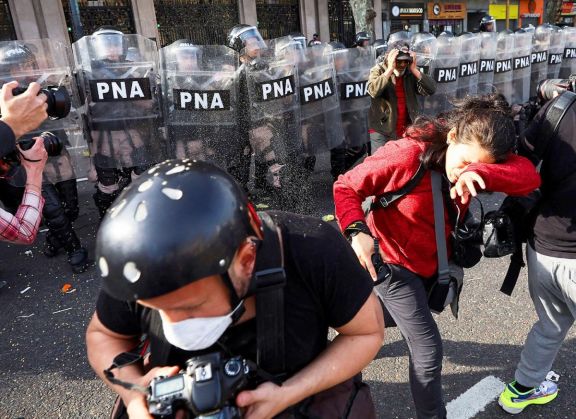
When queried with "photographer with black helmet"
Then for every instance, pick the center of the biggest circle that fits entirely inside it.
(225, 279)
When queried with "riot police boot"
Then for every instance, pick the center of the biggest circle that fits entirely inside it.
(103, 201)
(77, 255)
(52, 245)
(68, 191)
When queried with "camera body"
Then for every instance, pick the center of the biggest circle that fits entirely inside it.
(208, 387)
(57, 99)
(52, 143)
(499, 235)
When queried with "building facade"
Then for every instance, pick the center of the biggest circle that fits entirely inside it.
(208, 21)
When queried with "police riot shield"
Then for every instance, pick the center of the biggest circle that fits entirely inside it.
(444, 70)
(539, 68)
(200, 100)
(121, 98)
(272, 82)
(352, 67)
(397, 39)
(503, 64)
(569, 58)
(48, 63)
(521, 67)
(424, 46)
(555, 52)
(486, 63)
(468, 65)
(319, 101)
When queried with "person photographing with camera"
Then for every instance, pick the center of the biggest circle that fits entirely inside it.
(393, 85)
(21, 114)
(471, 149)
(224, 279)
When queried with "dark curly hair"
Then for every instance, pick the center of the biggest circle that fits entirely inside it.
(486, 120)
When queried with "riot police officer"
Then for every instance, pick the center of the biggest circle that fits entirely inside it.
(488, 24)
(122, 108)
(18, 61)
(362, 39)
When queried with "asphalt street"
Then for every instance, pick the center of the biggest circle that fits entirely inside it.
(44, 372)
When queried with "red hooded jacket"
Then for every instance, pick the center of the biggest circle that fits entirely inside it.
(405, 229)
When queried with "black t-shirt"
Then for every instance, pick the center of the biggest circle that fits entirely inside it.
(555, 225)
(326, 287)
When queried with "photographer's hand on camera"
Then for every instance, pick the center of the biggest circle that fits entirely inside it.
(25, 112)
(135, 402)
(391, 62)
(33, 161)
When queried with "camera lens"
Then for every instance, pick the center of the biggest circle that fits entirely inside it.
(546, 88)
(52, 144)
(58, 101)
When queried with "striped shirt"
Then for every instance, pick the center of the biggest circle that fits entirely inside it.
(22, 227)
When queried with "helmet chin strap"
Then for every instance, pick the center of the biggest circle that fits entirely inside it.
(235, 299)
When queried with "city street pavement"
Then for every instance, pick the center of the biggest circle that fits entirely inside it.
(44, 372)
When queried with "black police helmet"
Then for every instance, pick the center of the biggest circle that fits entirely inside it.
(485, 21)
(181, 221)
(238, 34)
(361, 37)
(336, 45)
(15, 54)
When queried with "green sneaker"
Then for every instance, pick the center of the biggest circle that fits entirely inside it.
(512, 401)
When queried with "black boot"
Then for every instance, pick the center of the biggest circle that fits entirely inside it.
(52, 245)
(104, 201)
(78, 258)
(69, 195)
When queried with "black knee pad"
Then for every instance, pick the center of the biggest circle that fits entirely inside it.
(53, 211)
(107, 176)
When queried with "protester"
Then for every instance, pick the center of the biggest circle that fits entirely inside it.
(551, 255)
(472, 147)
(208, 283)
(393, 85)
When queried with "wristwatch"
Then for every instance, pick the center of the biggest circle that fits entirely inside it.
(355, 228)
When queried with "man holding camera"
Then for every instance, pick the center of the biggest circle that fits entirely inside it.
(21, 114)
(264, 286)
(550, 251)
(393, 85)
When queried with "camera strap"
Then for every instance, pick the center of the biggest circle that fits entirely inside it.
(384, 200)
(268, 285)
(440, 229)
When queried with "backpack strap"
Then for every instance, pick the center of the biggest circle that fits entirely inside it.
(384, 200)
(268, 285)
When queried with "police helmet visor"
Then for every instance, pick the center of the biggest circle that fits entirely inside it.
(380, 49)
(251, 39)
(489, 25)
(300, 40)
(108, 45)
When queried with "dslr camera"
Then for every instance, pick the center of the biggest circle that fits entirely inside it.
(206, 389)
(57, 98)
(10, 162)
(547, 88)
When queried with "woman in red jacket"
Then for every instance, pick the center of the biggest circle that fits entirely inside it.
(472, 146)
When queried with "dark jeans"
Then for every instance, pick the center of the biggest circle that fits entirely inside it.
(405, 299)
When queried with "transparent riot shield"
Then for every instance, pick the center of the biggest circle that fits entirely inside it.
(200, 100)
(444, 70)
(425, 47)
(503, 73)
(521, 67)
(48, 63)
(540, 45)
(272, 82)
(319, 101)
(122, 100)
(555, 52)
(486, 63)
(352, 67)
(569, 58)
(397, 38)
(468, 67)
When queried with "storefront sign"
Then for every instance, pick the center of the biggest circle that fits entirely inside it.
(444, 11)
(568, 8)
(499, 11)
(407, 10)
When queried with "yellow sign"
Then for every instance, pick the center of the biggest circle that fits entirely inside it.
(499, 11)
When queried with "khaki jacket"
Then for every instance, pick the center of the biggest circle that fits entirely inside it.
(383, 109)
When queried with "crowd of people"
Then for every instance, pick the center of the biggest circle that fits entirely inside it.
(267, 286)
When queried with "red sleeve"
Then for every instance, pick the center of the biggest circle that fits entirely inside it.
(514, 176)
(386, 170)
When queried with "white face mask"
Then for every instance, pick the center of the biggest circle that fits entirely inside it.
(197, 333)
